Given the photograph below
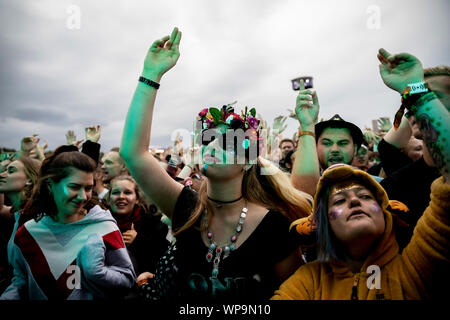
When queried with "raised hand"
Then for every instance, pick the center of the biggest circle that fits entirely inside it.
(29, 143)
(38, 152)
(93, 133)
(278, 124)
(399, 70)
(162, 55)
(384, 124)
(307, 107)
(71, 139)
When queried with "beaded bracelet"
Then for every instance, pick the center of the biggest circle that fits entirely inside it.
(149, 82)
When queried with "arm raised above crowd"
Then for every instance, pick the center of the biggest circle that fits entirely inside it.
(161, 189)
(399, 138)
(306, 172)
(397, 72)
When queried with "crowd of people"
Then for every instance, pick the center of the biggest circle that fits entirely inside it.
(334, 212)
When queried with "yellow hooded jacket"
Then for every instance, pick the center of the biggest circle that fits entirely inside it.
(410, 275)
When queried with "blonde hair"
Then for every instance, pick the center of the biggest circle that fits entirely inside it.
(272, 189)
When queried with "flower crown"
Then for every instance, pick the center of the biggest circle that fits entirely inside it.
(226, 118)
(213, 118)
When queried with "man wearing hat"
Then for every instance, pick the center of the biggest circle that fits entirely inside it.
(322, 144)
(337, 141)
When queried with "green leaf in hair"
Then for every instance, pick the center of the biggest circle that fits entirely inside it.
(216, 114)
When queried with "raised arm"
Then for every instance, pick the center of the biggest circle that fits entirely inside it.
(400, 70)
(306, 171)
(160, 188)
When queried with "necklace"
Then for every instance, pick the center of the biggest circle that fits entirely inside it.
(219, 203)
(215, 249)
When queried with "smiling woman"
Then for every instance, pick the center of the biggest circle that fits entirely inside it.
(72, 249)
(143, 232)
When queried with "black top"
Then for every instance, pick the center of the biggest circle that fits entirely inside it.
(92, 149)
(150, 243)
(412, 186)
(391, 157)
(247, 273)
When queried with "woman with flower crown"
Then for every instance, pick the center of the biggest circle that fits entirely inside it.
(232, 237)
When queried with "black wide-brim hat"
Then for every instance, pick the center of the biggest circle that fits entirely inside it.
(336, 121)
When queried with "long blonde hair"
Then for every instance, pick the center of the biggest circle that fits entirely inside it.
(263, 184)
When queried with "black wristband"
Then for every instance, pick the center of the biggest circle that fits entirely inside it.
(149, 82)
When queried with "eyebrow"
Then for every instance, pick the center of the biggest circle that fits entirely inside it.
(332, 140)
(345, 192)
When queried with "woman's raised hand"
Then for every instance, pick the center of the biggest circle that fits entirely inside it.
(162, 56)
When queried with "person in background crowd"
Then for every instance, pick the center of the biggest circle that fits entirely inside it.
(16, 184)
(143, 232)
(286, 145)
(361, 159)
(112, 166)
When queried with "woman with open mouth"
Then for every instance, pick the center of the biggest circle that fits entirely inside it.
(232, 238)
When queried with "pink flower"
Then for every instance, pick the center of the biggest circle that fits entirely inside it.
(203, 112)
(252, 122)
(209, 122)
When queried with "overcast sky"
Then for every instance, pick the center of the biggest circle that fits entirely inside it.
(55, 77)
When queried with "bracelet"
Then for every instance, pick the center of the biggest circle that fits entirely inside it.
(302, 133)
(413, 93)
(149, 82)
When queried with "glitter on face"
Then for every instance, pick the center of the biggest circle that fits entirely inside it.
(335, 213)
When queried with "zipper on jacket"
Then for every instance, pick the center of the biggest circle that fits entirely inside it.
(355, 287)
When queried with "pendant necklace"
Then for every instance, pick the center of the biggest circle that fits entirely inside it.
(215, 251)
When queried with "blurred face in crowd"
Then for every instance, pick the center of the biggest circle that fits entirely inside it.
(441, 86)
(123, 197)
(72, 192)
(335, 145)
(414, 149)
(361, 160)
(14, 178)
(285, 147)
(291, 165)
(112, 166)
(354, 213)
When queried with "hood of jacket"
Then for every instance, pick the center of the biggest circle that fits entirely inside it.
(385, 248)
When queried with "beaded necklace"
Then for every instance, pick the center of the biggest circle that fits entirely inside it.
(215, 249)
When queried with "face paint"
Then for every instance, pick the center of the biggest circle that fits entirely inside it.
(335, 213)
(375, 207)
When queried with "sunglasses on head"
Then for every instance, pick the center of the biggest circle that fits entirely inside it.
(232, 146)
